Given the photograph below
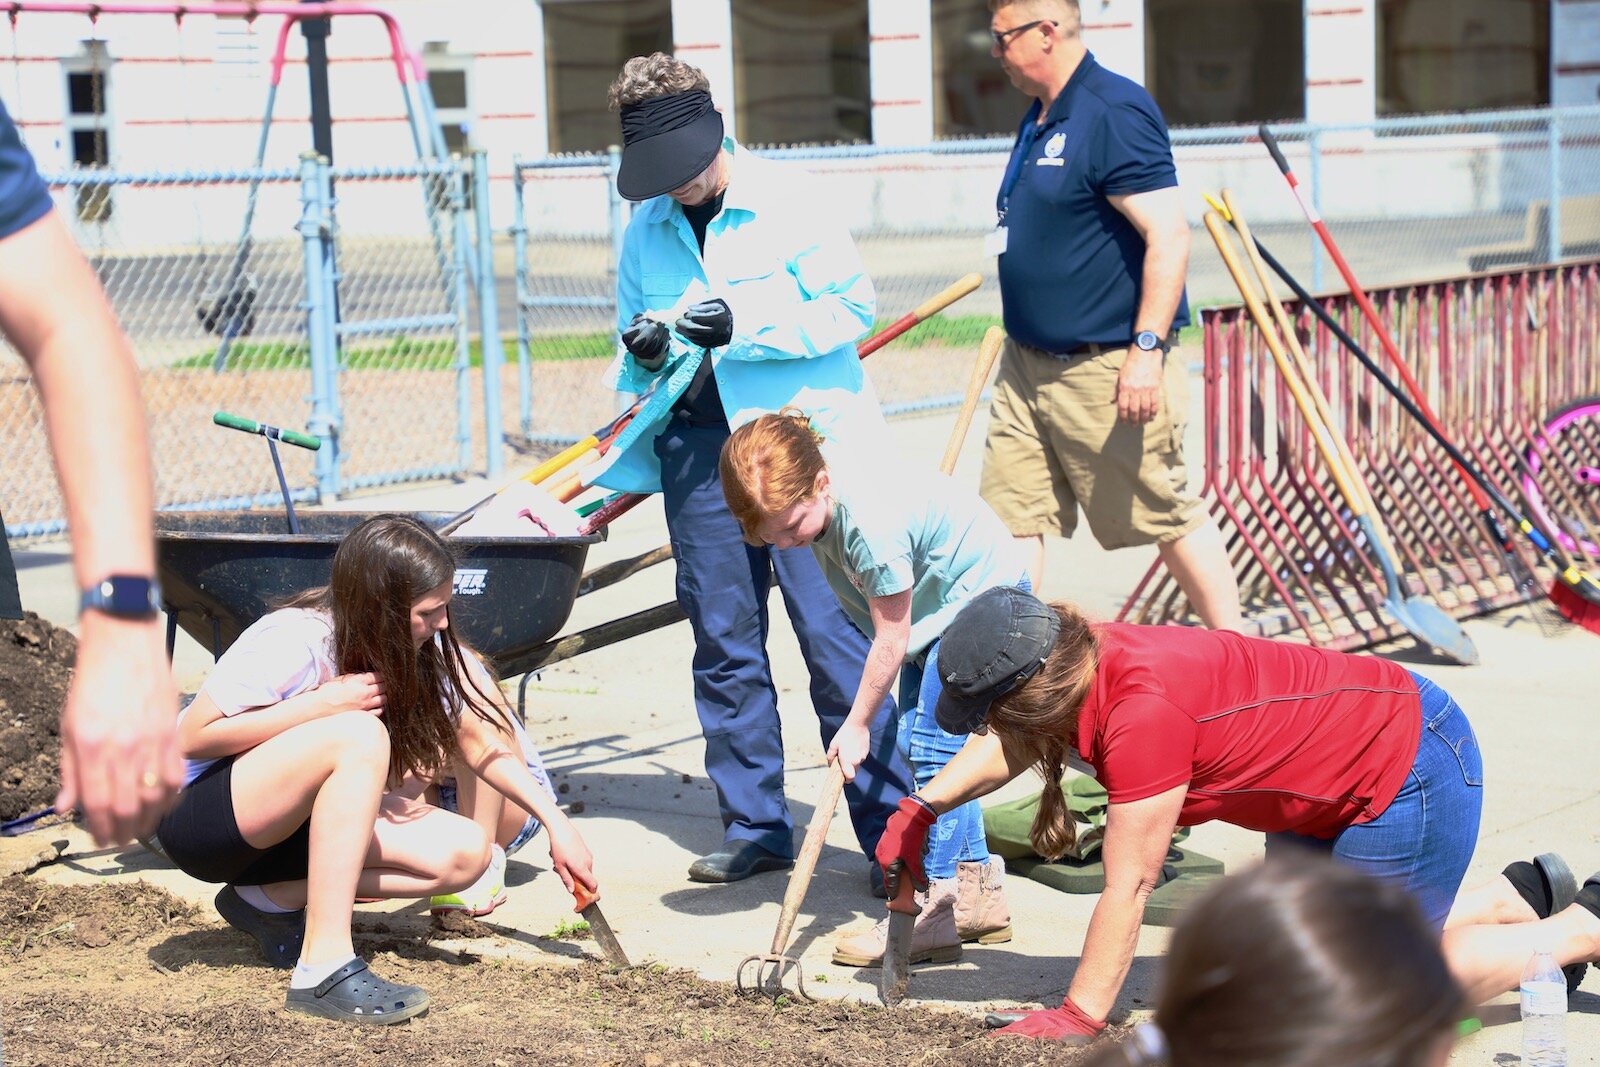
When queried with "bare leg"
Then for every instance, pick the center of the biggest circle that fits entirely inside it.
(1493, 903)
(1488, 960)
(1198, 562)
(333, 771)
(1032, 546)
(415, 850)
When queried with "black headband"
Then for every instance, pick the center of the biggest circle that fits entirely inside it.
(663, 114)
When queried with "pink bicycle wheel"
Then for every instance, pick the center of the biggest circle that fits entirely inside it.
(1568, 449)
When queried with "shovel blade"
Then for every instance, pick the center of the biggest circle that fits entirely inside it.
(1428, 623)
(897, 959)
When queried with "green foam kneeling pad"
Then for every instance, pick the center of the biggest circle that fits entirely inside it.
(1070, 876)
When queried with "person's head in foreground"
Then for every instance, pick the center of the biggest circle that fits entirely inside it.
(1299, 963)
(671, 132)
(389, 596)
(775, 480)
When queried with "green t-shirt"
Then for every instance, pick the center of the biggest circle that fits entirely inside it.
(899, 529)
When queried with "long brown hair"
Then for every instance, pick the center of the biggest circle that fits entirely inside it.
(382, 568)
(768, 466)
(1039, 720)
(1302, 962)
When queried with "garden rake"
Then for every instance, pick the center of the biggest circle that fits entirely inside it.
(770, 966)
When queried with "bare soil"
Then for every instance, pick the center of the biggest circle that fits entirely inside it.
(130, 974)
(35, 669)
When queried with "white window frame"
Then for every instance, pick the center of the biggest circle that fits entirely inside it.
(94, 57)
(437, 58)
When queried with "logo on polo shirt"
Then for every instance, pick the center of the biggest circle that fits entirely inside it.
(1052, 151)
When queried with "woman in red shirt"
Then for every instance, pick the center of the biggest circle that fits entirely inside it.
(1349, 755)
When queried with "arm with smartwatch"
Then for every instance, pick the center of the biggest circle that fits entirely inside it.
(119, 758)
(1158, 216)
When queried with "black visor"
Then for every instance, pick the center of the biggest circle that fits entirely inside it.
(666, 142)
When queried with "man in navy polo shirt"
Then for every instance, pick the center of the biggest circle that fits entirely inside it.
(1088, 410)
(119, 753)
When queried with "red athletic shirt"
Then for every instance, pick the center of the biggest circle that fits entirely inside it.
(1268, 735)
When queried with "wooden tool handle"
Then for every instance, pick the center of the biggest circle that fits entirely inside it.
(806, 862)
(988, 352)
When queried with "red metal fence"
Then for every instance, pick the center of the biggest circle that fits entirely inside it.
(1497, 355)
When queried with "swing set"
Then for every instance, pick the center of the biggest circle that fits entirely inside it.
(226, 307)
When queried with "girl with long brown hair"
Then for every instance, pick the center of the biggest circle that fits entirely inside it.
(299, 744)
(1351, 756)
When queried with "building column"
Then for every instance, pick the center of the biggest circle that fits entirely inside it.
(1341, 61)
(702, 34)
(900, 65)
(538, 90)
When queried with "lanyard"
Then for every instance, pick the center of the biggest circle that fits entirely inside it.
(1026, 136)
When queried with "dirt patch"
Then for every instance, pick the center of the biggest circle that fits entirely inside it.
(35, 669)
(130, 974)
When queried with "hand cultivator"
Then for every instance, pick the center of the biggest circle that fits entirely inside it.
(766, 975)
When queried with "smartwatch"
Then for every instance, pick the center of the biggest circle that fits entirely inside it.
(125, 596)
(1147, 341)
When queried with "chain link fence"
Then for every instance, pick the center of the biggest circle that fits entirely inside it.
(343, 304)
(353, 303)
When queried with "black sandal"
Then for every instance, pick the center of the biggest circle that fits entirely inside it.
(1549, 887)
(279, 935)
(354, 994)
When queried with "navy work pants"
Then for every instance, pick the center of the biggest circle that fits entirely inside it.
(723, 585)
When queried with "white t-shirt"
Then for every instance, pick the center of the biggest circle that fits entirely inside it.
(284, 654)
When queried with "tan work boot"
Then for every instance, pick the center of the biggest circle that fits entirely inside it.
(981, 912)
(933, 938)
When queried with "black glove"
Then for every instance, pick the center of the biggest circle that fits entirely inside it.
(646, 340)
(708, 324)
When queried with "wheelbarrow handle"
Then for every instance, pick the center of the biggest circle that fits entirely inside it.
(290, 437)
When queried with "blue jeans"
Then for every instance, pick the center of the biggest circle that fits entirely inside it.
(723, 585)
(958, 836)
(1424, 839)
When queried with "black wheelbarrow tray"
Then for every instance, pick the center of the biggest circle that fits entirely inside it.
(222, 570)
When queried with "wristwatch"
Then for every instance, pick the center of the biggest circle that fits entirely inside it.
(1147, 341)
(126, 596)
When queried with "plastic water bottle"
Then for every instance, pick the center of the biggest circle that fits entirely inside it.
(1544, 1013)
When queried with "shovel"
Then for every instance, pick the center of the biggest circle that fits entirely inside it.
(1425, 621)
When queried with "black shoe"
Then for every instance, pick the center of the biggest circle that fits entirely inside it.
(279, 934)
(736, 861)
(875, 881)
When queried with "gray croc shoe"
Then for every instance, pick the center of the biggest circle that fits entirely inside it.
(279, 935)
(354, 994)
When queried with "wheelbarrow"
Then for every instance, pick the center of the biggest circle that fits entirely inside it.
(222, 570)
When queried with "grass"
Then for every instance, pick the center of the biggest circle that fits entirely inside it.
(569, 929)
(439, 353)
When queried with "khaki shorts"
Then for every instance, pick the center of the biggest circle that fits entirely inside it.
(1055, 444)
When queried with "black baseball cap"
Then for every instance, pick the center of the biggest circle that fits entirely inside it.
(993, 645)
(666, 142)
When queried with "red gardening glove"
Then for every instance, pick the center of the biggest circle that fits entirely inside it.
(904, 840)
(1068, 1023)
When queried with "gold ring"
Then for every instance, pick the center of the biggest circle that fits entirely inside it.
(150, 779)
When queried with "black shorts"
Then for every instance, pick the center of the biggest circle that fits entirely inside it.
(201, 835)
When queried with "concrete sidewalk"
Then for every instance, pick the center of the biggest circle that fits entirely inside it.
(618, 730)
